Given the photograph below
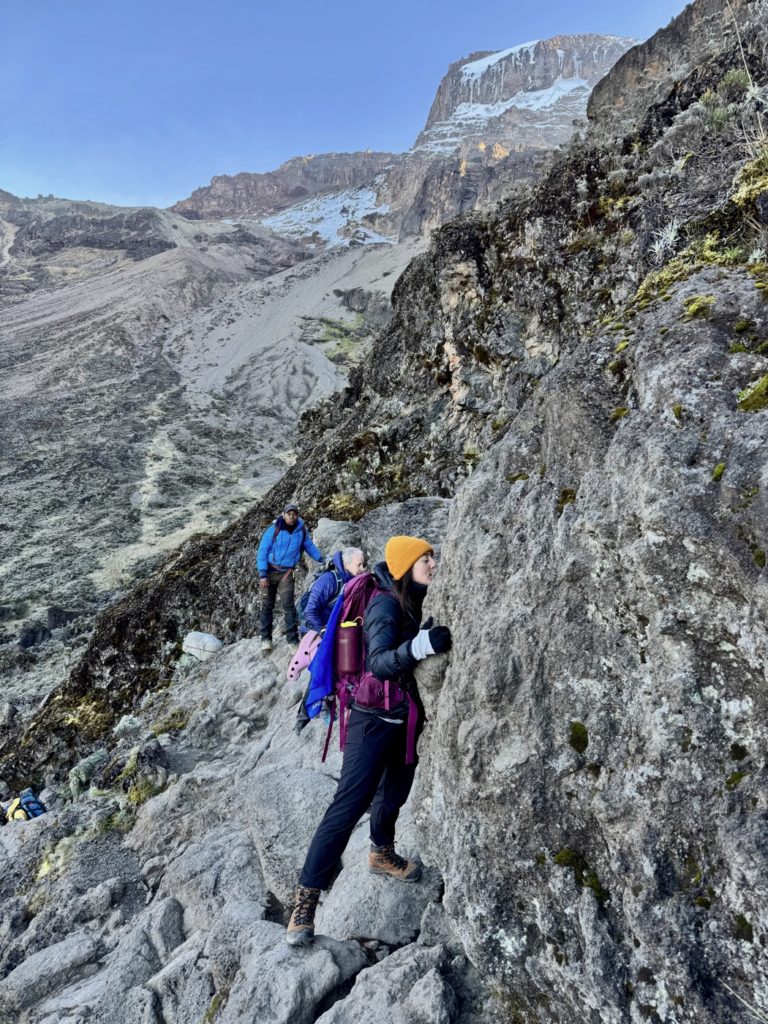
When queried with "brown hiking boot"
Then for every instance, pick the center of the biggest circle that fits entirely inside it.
(301, 927)
(382, 860)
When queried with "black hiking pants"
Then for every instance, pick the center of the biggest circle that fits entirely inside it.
(281, 583)
(373, 769)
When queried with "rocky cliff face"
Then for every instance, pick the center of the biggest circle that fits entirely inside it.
(526, 96)
(260, 195)
(584, 374)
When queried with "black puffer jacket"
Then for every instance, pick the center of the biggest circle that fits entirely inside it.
(388, 633)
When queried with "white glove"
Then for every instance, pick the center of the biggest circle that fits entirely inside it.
(421, 648)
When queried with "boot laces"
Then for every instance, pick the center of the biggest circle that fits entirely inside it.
(387, 853)
(305, 905)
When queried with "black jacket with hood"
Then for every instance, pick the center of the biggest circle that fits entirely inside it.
(387, 632)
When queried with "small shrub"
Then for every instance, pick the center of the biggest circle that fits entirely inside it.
(734, 84)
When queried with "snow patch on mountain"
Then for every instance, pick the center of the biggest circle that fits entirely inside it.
(476, 68)
(444, 136)
(334, 217)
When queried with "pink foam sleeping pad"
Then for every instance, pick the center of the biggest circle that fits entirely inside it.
(304, 655)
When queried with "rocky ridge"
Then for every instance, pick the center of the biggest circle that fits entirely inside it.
(493, 118)
(585, 370)
(261, 195)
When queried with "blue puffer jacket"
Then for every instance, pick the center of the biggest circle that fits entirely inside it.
(284, 550)
(324, 592)
(388, 634)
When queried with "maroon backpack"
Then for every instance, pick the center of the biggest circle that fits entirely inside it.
(352, 682)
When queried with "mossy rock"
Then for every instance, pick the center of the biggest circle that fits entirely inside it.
(584, 876)
(567, 497)
(344, 506)
(698, 307)
(619, 413)
(718, 471)
(755, 397)
(579, 737)
(752, 180)
(734, 779)
(175, 721)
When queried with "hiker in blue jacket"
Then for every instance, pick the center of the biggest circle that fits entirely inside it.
(327, 587)
(376, 771)
(280, 551)
(343, 567)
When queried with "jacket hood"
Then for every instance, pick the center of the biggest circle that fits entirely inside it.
(383, 576)
(338, 562)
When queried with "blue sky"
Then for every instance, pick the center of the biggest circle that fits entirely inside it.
(141, 102)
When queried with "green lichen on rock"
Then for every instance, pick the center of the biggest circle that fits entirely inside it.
(512, 478)
(742, 326)
(584, 876)
(718, 471)
(742, 929)
(677, 411)
(624, 343)
(759, 557)
(567, 497)
(734, 779)
(579, 737)
(142, 791)
(755, 397)
(619, 413)
(344, 506)
(698, 307)
(175, 721)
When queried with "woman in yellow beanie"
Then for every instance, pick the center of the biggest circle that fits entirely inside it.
(379, 756)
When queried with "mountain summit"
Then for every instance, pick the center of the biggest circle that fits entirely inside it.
(525, 97)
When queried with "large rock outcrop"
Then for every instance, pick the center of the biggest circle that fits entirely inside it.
(259, 195)
(525, 97)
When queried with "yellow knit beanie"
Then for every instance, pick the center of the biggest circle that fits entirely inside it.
(401, 553)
